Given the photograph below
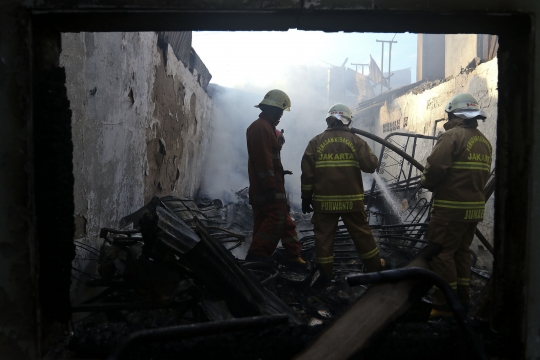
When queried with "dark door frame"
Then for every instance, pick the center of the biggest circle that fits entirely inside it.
(53, 189)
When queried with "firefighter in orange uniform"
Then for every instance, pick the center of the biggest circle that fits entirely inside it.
(457, 171)
(267, 186)
(331, 178)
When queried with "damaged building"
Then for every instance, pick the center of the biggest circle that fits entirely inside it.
(106, 111)
(141, 120)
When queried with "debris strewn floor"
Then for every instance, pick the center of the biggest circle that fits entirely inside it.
(179, 262)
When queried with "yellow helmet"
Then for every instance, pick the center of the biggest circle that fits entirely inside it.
(276, 98)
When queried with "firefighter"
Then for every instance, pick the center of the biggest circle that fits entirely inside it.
(456, 172)
(332, 188)
(267, 197)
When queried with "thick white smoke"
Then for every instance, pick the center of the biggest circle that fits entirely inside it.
(234, 111)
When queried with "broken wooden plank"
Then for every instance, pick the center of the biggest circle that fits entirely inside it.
(379, 307)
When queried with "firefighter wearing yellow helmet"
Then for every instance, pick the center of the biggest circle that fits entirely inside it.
(332, 187)
(276, 98)
(457, 171)
(272, 221)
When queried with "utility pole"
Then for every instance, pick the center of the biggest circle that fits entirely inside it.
(390, 42)
(362, 65)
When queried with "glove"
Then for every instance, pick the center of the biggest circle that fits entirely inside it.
(306, 206)
(425, 184)
(281, 137)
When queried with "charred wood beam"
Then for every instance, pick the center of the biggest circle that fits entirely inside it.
(377, 309)
(430, 278)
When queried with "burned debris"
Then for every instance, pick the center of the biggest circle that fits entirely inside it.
(169, 265)
(170, 280)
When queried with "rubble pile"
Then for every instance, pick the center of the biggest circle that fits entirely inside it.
(179, 262)
(171, 263)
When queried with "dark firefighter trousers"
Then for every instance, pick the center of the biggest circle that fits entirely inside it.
(454, 261)
(325, 225)
(272, 224)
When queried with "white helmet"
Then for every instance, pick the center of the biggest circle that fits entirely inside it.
(340, 112)
(465, 106)
(276, 98)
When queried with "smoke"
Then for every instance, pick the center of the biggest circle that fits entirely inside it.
(234, 111)
(226, 166)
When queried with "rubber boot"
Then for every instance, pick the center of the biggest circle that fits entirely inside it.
(327, 270)
(326, 275)
(296, 260)
(373, 264)
(296, 263)
(463, 296)
(434, 314)
(440, 306)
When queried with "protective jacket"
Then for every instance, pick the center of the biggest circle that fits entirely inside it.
(331, 170)
(457, 171)
(266, 179)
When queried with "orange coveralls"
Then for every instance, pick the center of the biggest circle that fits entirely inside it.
(267, 193)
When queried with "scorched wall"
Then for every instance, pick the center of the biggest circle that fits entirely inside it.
(141, 123)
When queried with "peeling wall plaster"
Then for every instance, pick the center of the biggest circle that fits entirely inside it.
(140, 127)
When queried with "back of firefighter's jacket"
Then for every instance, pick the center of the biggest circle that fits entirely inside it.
(457, 171)
(266, 178)
(332, 168)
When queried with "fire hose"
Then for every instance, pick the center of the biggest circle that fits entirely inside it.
(409, 158)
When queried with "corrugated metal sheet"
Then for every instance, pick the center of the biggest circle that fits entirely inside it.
(180, 42)
(197, 67)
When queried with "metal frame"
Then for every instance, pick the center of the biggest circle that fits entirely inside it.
(384, 155)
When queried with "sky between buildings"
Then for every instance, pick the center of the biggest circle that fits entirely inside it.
(236, 59)
(251, 63)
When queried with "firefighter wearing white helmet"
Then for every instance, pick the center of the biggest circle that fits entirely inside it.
(340, 112)
(332, 187)
(272, 221)
(465, 106)
(457, 171)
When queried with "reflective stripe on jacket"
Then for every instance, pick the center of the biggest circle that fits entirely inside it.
(264, 164)
(332, 168)
(457, 171)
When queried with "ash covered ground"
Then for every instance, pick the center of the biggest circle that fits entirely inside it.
(154, 288)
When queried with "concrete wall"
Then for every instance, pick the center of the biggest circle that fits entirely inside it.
(430, 57)
(140, 128)
(419, 112)
(459, 50)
